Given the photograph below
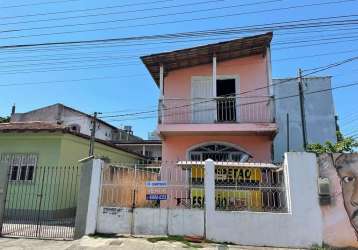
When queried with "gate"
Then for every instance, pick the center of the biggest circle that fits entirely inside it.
(41, 202)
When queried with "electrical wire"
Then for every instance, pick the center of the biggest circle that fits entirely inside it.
(251, 103)
(266, 86)
(148, 24)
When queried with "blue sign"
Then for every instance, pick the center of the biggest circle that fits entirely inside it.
(156, 184)
(156, 197)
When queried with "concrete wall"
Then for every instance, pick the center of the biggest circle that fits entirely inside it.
(300, 227)
(150, 221)
(319, 111)
(88, 198)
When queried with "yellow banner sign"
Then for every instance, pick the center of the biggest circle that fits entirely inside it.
(229, 174)
(230, 199)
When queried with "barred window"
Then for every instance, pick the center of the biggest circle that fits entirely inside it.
(22, 166)
(218, 152)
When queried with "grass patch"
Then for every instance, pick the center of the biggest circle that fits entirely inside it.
(326, 247)
(174, 238)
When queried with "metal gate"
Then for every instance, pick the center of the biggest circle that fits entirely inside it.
(41, 202)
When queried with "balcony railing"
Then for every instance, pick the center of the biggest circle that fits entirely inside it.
(215, 110)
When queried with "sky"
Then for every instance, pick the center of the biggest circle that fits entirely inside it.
(111, 79)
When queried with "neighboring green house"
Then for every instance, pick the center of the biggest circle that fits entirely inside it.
(44, 159)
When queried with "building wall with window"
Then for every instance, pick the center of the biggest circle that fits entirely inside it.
(51, 149)
(76, 120)
(249, 73)
(177, 147)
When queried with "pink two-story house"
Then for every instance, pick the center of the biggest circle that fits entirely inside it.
(215, 101)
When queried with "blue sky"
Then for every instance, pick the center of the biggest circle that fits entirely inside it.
(123, 84)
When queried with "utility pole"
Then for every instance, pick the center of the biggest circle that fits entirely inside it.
(302, 107)
(288, 132)
(93, 134)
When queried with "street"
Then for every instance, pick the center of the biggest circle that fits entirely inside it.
(114, 243)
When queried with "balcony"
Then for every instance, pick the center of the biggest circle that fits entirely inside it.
(221, 114)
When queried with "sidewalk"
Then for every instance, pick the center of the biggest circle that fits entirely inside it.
(113, 243)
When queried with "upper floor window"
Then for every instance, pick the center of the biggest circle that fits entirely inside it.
(22, 166)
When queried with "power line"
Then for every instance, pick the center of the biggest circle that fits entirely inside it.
(139, 18)
(333, 64)
(296, 24)
(68, 57)
(34, 4)
(58, 48)
(141, 10)
(88, 9)
(315, 55)
(155, 23)
(70, 80)
(98, 58)
(251, 103)
(119, 64)
(323, 68)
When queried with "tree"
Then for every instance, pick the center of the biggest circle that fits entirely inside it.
(4, 119)
(343, 145)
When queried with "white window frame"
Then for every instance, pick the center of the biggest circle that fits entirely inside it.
(236, 77)
(20, 160)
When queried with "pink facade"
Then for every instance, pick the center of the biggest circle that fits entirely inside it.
(176, 147)
(252, 71)
(215, 101)
(253, 137)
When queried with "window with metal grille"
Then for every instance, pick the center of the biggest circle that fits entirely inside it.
(218, 152)
(22, 166)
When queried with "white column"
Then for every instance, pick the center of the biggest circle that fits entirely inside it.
(88, 198)
(214, 87)
(214, 75)
(209, 188)
(161, 96)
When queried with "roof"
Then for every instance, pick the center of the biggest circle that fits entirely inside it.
(36, 127)
(146, 142)
(76, 111)
(30, 126)
(194, 56)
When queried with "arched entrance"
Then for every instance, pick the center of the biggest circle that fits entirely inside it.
(217, 151)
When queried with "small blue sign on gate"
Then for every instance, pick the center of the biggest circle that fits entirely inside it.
(156, 197)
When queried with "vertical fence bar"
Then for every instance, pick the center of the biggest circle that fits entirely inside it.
(40, 202)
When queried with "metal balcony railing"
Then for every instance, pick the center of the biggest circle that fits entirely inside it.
(215, 110)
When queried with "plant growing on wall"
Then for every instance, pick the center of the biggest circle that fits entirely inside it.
(343, 145)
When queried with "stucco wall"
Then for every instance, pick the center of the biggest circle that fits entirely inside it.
(252, 72)
(74, 149)
(55, 150)
(300, 227)
(175, 147)
(46, 145)
(150, 221)
(319, 112)
(70, 117)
